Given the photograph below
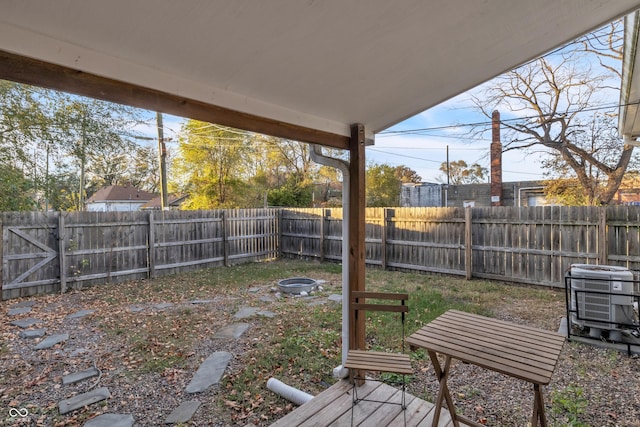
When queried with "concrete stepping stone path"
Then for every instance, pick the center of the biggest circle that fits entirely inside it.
(25, 323)
(18, 310)
(51, 341)
(209, 372)
(183, 413)
(246, 312)
(335, 298)
(233, 330)
(111, 420)
(23, 304)
(80, 314)
(33, 333)
(85, 399)
(80, 376)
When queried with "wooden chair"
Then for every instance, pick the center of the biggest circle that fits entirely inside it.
(376, 361)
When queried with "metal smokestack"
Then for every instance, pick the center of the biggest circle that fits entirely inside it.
(496, 160)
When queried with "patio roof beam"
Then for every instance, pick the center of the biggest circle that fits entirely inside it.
(39, 73)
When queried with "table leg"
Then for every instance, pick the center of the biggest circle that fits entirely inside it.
(538, 408)
(443, 392)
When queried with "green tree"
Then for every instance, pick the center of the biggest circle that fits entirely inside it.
(461, 173)
(383, 186)
(407, 175)
(15, 190)
(95, 138)
(213, 165)
(28, 136)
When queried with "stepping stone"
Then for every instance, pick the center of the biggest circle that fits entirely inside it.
(80, 314)
(111, 420)
(51, 341)
(210, 372)
(245, 312)
(234, 330)
(25, 323)
(79, 352)
(254, 290)
(135, 308)
(163, 305)
(335, 298)
(33, 333)
(79, 376)
(18, 310)
(316, 302)
(23, 304)
(265, 313)
(84, 399)
(183, 413)
(267, 298)
(201, 301)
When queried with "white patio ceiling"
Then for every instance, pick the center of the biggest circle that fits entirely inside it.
(319, 65)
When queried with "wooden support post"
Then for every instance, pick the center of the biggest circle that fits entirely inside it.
(603, 255)
(151, 247)
(61, 254)
(468, 242)
(357, 207)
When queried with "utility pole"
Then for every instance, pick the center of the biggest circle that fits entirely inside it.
(162, 153)
(448, 165)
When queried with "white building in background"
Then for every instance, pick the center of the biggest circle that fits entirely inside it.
(117, 198)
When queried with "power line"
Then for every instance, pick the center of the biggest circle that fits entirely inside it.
(419, 131)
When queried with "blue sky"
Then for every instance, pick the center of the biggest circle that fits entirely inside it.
(426, 151)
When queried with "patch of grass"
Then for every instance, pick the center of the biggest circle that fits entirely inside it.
(303, 345)
(567, 405)
(300, 346)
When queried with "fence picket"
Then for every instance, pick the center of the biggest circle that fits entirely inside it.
(47, 252)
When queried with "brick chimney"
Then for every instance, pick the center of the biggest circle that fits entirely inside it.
(496, 160)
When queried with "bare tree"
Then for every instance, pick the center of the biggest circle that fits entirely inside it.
(554, 102)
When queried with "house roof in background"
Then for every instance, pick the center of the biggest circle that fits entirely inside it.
(173, 200)
(310, 69)
(118, 193)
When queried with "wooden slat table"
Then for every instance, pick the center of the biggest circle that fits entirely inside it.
(529, 354)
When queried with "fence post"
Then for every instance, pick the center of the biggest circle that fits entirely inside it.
(467, 243)
(61, 256)
(322, 232)
(603, 256)
(225, 243)
(383, 243)
(151, 247)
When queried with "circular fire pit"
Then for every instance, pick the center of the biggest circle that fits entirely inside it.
(295, 285)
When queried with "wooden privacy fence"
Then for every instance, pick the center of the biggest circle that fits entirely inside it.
(50, 252)
(533, 245)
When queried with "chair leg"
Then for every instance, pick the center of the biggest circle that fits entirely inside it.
(354, 398)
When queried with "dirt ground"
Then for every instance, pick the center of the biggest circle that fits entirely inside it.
(600, 387)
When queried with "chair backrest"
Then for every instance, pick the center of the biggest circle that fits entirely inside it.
(400, 307)
(385, 301)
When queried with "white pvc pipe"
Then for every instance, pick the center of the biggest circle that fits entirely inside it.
(343, 166)
(292, 394)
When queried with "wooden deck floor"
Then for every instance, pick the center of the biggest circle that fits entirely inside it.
(332, 407)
